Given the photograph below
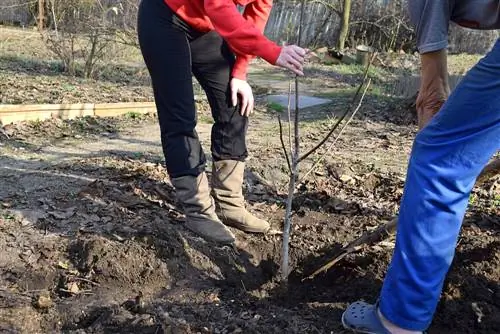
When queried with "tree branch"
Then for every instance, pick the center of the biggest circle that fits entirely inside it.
(329, 148)
(348, 109)
(285, 152)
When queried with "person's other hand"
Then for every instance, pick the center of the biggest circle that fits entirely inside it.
(292, 57)
(434, 88)
(242, 89)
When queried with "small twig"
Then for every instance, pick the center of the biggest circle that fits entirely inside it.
(85, 280)
(348, 109)
(329, 148)
(332, 262)
(77, 293)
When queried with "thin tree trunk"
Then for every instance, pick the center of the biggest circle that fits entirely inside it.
(344, 30)
(41, 14)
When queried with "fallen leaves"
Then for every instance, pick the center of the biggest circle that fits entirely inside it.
(73, 288)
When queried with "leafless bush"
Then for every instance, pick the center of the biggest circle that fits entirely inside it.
(81, 29)
(385, 27)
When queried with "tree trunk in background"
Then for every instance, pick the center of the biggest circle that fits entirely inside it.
(41, 14)
(344, 28)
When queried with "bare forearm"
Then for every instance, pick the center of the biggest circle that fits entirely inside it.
(434, 71)
(434, 87)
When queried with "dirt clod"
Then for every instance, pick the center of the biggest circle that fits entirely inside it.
(44, 301)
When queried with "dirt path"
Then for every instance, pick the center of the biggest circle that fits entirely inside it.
(91, 240)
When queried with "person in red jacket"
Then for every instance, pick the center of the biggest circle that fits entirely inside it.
(213, 41)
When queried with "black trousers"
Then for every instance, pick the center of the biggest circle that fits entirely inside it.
(173, 52)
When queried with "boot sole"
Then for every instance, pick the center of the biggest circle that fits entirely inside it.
(246, 228)
(209, 238)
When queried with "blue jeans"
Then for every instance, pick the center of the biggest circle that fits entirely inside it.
(447, 157)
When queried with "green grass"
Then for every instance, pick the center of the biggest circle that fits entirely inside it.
(276, 107)
(134, 115)
(496, 201)
(376, 73)
(6, 215)
(473, 199)
(36, 124)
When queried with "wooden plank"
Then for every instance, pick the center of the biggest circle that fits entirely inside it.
(23, 116)
(12, 113)
(33, 112)
(13, 108)
(118, 109)
(73, 111)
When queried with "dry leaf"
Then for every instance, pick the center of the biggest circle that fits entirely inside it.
(63, 265)
(73, 288)
(347, 179)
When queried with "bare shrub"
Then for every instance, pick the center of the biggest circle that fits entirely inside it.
(80, 29)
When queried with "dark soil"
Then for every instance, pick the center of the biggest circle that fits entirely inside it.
(95, 244)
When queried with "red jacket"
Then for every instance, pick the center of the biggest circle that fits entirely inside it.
(243, 33)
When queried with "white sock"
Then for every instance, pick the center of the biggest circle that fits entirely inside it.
(393, 329)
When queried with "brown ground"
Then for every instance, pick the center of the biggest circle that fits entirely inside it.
(91, 240)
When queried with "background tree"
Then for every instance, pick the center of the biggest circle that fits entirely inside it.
(344, 26)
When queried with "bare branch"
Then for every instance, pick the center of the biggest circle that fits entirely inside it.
(329, 148)
(367, 238)
(328, 5)
(285, 152)
(348, 109)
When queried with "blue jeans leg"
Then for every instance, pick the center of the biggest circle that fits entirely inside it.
(447, 156)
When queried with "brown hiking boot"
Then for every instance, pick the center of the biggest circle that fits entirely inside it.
(227, 182)
(194, 195)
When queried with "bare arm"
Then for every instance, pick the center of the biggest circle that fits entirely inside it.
(434, 86)
(431, 21)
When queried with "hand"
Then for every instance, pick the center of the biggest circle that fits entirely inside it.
(434, 88)
(243, 89)
(429, 102)
(292, 57)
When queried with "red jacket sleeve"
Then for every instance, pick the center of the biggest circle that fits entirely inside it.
(256, 12)
(243, 34)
